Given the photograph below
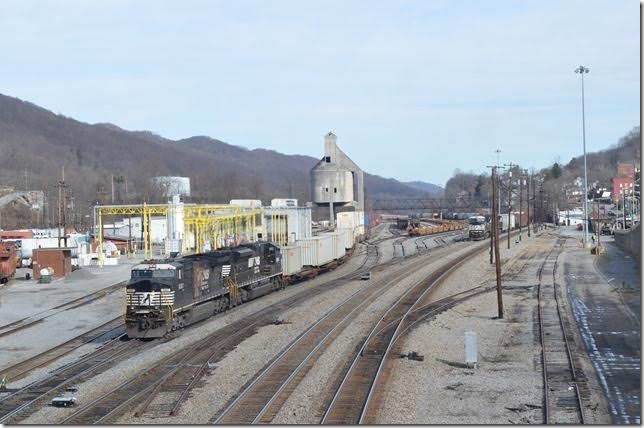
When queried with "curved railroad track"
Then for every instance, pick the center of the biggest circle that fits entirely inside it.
(353, 397)
(259, 401)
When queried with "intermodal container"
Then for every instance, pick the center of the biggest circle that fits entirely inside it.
(291, 259)
(337, 238)
(316, 251)
(347, 237)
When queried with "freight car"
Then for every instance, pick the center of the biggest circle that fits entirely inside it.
(167, 295)
(9, 260)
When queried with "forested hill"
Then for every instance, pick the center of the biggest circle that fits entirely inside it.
(35, 143)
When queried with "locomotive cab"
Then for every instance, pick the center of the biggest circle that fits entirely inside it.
(149, 298)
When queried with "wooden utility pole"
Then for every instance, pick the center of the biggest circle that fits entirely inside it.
(520, 202)
(528, 182)
(495, 227)
(62, 209)
(492, 239)
(509, 200)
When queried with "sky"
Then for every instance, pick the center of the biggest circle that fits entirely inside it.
(412, 89)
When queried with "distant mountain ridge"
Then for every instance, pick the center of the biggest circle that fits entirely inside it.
(35, 143)
(425, 187)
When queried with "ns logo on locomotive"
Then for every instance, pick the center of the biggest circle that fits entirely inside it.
(166, 295)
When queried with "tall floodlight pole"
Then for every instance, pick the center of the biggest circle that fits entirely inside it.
(583, 70)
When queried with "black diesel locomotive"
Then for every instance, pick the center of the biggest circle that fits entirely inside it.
(166, 295)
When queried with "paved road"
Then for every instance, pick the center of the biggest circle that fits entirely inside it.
(608, 318)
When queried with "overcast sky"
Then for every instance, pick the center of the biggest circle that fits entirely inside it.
(412, 89)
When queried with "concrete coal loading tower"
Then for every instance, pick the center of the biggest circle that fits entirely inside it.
(336, 181)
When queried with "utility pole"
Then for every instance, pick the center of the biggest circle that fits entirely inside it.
(112, 181)
(62, 208)
(497, 151)
(528, 182)
(495, 227)
(624, 207)
(510, 165)
(540, 206)
(520, 201)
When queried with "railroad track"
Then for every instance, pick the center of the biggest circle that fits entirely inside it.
(18, 371)
(27, 322)
(562, 400)
(165, 382)
(160, 390)
(19, 404)
(29, 397)
(260, 401)
(351, 403)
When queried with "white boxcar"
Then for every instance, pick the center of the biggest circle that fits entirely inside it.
(316, 251)
(291, 259)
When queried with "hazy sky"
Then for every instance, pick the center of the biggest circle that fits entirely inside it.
(412, 89)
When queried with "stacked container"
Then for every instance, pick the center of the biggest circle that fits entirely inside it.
(316, 251)
(337, 238)
(347, 237)
(291, 259)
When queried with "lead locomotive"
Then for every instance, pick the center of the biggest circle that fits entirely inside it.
(166, 295)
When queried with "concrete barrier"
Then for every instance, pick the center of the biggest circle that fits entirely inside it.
(630, 240)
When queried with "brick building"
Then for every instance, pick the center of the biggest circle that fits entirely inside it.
(622, 186)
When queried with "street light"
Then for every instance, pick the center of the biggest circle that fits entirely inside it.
(583, 70)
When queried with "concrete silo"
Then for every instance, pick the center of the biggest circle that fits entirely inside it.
(336, 181)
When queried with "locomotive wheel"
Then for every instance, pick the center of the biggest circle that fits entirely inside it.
(182, 322)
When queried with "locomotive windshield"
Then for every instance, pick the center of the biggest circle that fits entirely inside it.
(147, 273)
(477, 220)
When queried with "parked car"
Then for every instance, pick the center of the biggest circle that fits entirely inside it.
(606, 230)
(580, 226)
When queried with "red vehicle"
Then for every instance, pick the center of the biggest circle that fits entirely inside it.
(9, 260)
(580, 226)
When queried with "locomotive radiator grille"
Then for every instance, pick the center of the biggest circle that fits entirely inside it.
(152, 298)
